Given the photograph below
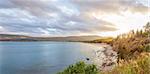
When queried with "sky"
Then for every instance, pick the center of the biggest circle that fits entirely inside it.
(72, 17)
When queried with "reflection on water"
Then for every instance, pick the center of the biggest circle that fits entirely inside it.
(40, 57)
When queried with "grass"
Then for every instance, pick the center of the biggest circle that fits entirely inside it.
(140, 65)
(133, 51)
(131, 44)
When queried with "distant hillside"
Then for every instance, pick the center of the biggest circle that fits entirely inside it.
(69, 38)
(107, 40)
(10, 37)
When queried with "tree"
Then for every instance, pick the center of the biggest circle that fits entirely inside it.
(147, 27)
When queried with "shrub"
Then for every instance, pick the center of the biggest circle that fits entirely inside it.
(80, 68)
(147, 48)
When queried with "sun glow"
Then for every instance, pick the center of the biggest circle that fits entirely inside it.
(124, 22)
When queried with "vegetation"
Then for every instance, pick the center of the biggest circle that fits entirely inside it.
(107, 40)
(133, 43)
(140, 65)
(80, 68)
(133, 51)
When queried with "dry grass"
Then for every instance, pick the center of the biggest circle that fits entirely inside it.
(130, 45)
(140, 65)
(133, 51)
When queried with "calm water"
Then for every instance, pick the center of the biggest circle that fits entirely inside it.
(40, 57)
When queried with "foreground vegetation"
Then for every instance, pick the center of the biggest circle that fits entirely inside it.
(80, 68)
(140, 65)
(133, 51)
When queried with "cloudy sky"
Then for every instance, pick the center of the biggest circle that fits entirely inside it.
(72, 17)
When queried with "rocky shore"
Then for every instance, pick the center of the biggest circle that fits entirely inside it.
(104, 57)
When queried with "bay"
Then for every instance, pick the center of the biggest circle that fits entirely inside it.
(41, 57)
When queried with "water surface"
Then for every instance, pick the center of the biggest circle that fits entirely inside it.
(40, 57)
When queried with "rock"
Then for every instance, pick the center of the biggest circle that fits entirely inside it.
(105, 58)
(87, 59)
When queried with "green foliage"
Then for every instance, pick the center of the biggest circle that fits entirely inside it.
(80, 68)
(147, 48)
(147, 27)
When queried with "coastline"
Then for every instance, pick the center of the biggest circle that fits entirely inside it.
(105, 58)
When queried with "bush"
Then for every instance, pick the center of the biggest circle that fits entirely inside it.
(147, 48)
(80, 68)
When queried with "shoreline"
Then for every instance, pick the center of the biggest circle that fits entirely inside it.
(105, 58)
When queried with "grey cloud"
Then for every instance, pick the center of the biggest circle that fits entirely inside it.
(6, 4)
(53, 17)
(111, 6)
(38, 8)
